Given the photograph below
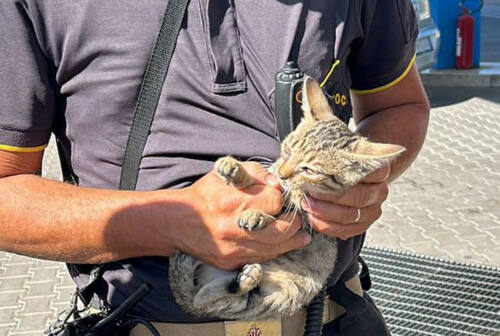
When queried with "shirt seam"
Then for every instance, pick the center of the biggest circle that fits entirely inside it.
(9, 129)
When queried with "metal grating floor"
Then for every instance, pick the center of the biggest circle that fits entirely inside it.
(421, 296)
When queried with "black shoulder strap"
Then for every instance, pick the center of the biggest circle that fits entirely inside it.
(147, 101)
(149, 94)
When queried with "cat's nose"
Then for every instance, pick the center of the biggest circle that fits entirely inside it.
(284, 173)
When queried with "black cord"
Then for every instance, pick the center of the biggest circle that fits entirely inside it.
(314, 315)
(122, 310)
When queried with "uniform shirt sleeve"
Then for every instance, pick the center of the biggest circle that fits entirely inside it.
(386, 51)
(26, 90)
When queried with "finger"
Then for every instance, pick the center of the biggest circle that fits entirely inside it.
(331, 212)
(260, 174)
(365, 215)
(265, 198)
(344, 231)
(258, 251)
(287, 227)
(277, 231)
(359, 196)
(379, 175)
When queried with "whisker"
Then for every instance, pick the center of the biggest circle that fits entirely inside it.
(286, 198)
(262, 160)
(287, 207)
(288, 214)
(292, 218)
(262, 169)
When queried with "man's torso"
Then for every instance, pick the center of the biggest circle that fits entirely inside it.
(217, 99)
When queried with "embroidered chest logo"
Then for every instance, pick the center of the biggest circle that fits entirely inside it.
(340, 99)
(254, 331)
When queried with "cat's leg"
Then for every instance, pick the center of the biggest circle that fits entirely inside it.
(253, 220)
(232, 172)
(249, 278)
(213, 291)
(225, 285)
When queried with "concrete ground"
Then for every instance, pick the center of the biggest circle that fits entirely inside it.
(447, 205)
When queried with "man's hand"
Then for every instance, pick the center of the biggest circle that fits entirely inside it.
(350, 214)
(211, 233)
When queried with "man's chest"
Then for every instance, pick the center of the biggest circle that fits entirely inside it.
(233, 39)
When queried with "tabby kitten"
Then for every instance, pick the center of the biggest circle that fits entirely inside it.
(321, 154)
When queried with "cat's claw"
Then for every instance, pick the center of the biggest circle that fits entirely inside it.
(227, 168)
(253, 220)
(249, 277)
(231, 171)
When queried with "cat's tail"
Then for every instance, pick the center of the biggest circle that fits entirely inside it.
(182, 279)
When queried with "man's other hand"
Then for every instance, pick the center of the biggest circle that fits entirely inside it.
(354, 211)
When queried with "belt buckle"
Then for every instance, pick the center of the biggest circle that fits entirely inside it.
(253, 328)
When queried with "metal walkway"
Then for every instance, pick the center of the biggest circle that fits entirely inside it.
(424, 296)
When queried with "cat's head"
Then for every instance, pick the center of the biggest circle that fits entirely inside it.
(322, 154)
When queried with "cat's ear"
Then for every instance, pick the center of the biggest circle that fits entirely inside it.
(367, 150)
(314, 103)
(364, 157)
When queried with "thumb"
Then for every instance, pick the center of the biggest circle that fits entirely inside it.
(260, 174)
(379, 175)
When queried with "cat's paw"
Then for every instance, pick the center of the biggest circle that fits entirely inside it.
(249, 277)
(232, 172)
(253, 220)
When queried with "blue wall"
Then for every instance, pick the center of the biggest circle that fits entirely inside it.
(445, 14)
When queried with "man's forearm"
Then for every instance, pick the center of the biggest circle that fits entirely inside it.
(405, 125)
(56, 221)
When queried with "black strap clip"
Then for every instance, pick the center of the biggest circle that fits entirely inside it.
(101, 323)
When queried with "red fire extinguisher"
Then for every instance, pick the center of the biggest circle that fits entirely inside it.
(465, 40)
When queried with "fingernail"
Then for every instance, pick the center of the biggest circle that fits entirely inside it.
(307, 240)
(272, 181)
(388, 172)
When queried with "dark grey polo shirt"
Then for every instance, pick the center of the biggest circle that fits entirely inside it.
(74, 68)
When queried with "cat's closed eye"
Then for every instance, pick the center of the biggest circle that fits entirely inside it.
(335, 180)
(306, 169)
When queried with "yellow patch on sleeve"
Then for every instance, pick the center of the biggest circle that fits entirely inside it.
(15, 149)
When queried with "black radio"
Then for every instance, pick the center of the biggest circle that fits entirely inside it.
(288, 98)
